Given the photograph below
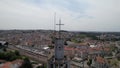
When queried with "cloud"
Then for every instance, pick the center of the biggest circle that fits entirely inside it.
(106, 15)
(88, 15)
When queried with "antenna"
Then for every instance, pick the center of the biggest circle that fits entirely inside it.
(59, 27)
(54, 21)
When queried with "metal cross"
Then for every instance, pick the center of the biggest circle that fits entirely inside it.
(59, 26)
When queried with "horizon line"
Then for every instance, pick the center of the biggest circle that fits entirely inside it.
(61, 30)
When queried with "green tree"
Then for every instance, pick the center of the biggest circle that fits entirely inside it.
(26, 63)
(89, 62)
(17, 53)
(4, 49)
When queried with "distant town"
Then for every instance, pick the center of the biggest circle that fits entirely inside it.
(33, 48)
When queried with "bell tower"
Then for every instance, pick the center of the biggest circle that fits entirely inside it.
(58, 60)
(59, 45)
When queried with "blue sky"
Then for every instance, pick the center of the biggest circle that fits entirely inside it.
(78, 15)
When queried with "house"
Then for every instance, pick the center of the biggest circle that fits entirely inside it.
(100, 62)
(14, 64)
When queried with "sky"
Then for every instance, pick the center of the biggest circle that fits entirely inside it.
(76, 15)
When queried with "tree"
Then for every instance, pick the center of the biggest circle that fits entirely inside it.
(6, 44)
(1, 46)
(17, 53)
(89, 62)
(65, 43)
(4, 49)
(51, 46)
(26, 63)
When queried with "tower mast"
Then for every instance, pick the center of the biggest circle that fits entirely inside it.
(54, 22)
(58, 60)
(59, 28)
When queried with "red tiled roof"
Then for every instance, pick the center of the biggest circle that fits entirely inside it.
(100, 59)
(18, 61)
(74, 49)
(68, 48)
(6, 65)
(93, 49)
(106, 49)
